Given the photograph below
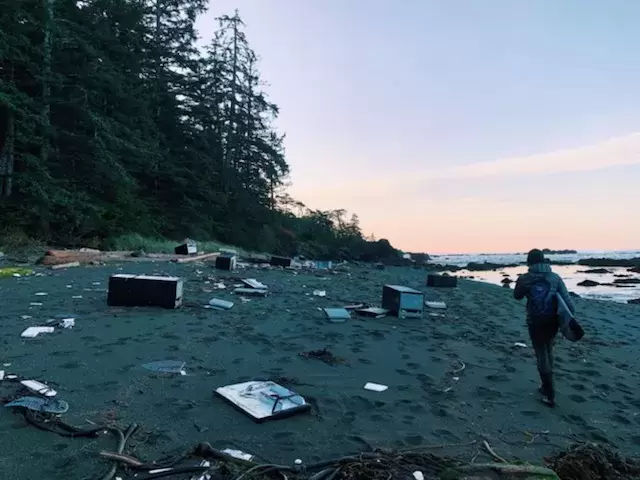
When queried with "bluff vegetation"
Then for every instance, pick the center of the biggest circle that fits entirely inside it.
(113, 122)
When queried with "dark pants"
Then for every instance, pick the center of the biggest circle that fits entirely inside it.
(542, 334)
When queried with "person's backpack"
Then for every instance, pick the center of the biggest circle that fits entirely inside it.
(542, 301)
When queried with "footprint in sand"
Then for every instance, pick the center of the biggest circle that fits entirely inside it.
(620, 419)
(577, 398)
(498, 378)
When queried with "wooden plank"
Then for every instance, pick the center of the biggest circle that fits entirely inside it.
(196, 258)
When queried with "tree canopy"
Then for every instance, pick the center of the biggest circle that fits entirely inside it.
(112, 121)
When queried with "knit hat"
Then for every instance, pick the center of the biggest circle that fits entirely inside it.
(535, 256)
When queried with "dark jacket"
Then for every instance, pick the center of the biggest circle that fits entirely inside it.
(524, 283)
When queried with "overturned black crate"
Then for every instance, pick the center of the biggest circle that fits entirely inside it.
(226, 262)
(442, 281)
(126, 290)
(188, 247)
(403, 302)
(280, 262)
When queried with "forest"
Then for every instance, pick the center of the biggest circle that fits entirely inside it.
(114, 122)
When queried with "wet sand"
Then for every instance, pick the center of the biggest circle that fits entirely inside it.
(96, 368)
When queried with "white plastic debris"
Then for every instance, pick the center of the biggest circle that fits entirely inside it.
(375, 387)
(67, 322)
(39, 387)
(520, 344)
(41, 294)
(1, 374)
(298, 461)
(238, 454)
(76, 297)
(36, 304)
(437, 305)
(418, 475)
(320, 293)
(33, 332)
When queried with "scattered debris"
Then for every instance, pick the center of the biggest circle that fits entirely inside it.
(33, 332)
(41, 294)
(520, 344)
(375, 387)
(35, 304)
(320, 293)
(325, 356)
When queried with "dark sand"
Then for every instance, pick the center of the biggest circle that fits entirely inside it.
(96, 367)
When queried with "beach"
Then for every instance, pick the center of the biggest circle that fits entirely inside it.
(454, 376)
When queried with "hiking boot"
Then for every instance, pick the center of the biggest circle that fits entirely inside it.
(547, 390)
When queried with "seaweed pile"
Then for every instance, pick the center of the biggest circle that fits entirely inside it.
(591, 461)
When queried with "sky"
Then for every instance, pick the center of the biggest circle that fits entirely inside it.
(458, 126)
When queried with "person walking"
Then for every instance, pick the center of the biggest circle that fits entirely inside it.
(540, 285)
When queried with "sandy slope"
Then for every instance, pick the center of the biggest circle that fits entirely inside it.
(96, 367)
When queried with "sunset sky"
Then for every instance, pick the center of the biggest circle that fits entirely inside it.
(459, 126)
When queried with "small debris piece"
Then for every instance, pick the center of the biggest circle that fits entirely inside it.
(320, 293)
(436, 305)
(253, 283)
(39, 387)
(375, 387)
(40, 404)
(251, 291)
(238, 454)
(373, 312)
(337, 315)
(520, 344)
(33, 332)
(219, 304)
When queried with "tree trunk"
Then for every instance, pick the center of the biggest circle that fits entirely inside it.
(46, 79)
(6, 157)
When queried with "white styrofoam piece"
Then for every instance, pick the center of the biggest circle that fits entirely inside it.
(375, 387)
(32, 332)
(39, 387)
(438, 305)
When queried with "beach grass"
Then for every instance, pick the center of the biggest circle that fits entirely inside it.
(137, 242)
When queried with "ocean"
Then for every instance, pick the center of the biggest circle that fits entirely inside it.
(572, 274)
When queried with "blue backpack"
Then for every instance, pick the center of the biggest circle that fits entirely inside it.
(542, 300)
